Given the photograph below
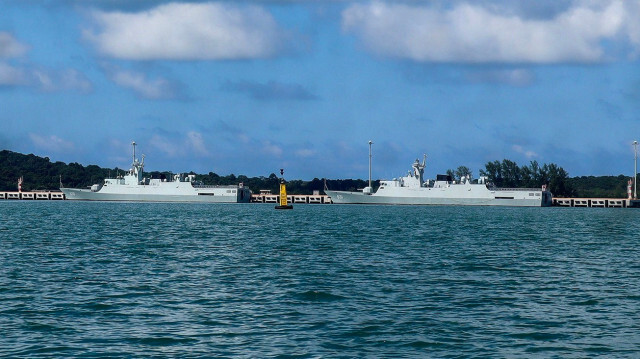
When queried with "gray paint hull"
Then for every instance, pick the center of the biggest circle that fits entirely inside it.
(243, 196)
(342, 197)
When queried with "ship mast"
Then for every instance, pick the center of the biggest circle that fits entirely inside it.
(370, 142)
(635, 169)
(133, 143)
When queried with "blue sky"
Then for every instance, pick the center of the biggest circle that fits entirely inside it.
(249, 87)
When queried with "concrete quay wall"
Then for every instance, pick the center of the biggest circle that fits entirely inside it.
(31, 196)
(596, 202)
(291, 199)
(255, 198)
(324, 199)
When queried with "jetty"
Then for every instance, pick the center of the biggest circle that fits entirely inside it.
(596, 202)
(35, 195)
(265, 196)
(590, 202)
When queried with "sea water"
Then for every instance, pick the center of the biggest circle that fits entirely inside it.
(90, 279)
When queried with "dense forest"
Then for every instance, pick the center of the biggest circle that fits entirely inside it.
(41, 174)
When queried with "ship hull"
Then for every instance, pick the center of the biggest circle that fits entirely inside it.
(242, 196)
(424, 197)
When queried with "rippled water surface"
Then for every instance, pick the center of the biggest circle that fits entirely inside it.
(82, 279)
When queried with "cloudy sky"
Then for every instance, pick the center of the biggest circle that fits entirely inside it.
(249, 87)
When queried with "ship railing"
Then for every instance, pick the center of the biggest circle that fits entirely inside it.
(214, 186)
(515, 189)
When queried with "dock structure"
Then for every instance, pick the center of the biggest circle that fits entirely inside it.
(32, 196)
(265, 196)
(316, 198)
(594, 202)
(293, 199)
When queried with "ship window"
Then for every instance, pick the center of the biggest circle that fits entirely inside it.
(530, 194)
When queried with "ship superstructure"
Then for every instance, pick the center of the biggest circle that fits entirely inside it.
(134, 187)
(412, 189)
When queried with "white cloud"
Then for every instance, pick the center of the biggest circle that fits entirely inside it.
(44, 79)
(305, 152)
(633, 24)
(51, 143)
(58, 80)
(513, 77)
(271, 149)
(243, 138)
(155, 89)
(10, 47)
(73, 80)
(165, 145)
(36, 77)
(471, 33)
(178, 145)
(527, 153)
(183, 31)
(11, 76)
(196, 143)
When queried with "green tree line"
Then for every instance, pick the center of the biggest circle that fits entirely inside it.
(507, 174)
(41, 174)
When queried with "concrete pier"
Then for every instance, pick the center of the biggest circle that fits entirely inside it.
(316, 198)
(265, 196)
(30, 196)
(255, 198)
(594, 202)
(292, 199)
